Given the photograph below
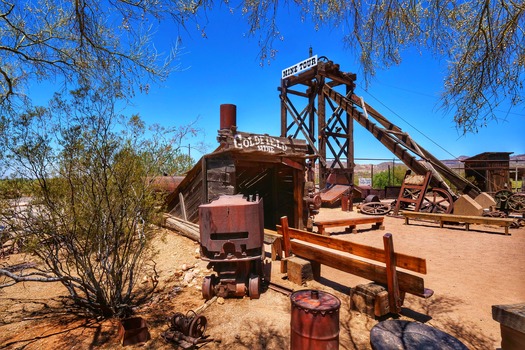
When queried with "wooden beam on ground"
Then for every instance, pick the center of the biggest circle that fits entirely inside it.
(185, 228)
(404, 261)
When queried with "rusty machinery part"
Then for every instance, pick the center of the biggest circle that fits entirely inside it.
(198, 327)
(502, 199)
(437, 201)
(254, 286)
(185, 341)
(314, 200)
(190, 324)
(208, 284)
(516, 202)
(375, 208)
(495, 214)
(371, 198)
(518, 223)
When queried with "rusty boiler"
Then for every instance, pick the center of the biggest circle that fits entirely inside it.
(315, 321)
(232, 241)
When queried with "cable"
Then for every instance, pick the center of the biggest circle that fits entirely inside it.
(419, 131)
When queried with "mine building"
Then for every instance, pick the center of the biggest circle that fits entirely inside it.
(254, 165)
(490, 170)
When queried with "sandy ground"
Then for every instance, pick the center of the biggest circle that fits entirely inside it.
(469, 272)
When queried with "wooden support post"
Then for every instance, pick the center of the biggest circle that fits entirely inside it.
(277, 249)
(183, 207)
(286, 243)
(316, 269)
(391, 275)
(286, 236)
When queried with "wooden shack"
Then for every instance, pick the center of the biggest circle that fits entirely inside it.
(253, 165)
(490, 170)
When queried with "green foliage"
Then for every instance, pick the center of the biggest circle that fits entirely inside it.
(91, 216)
(15, 188)
(386, 178)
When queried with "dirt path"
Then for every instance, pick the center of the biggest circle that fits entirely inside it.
(469, 272)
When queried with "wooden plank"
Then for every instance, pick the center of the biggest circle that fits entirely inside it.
(333, 194)
(350, 221)
(459, 218)
(407, 283)
(404, 261)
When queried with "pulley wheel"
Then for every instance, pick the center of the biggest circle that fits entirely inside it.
(197, 327)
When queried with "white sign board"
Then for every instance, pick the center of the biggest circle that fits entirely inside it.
(299, 67)
(365, 181)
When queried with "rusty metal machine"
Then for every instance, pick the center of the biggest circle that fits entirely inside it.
(186, 331)
(232, 241)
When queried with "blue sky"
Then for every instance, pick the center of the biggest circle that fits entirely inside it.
(224, 68)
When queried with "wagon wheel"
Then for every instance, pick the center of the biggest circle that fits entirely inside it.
(207, 288)
(375, 208)
(439, 201)
(197, 327)
(254, 287)
(410, 193)
(516, 202)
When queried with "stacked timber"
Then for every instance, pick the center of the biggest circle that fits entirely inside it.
(185, 228)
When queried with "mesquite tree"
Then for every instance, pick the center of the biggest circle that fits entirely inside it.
(90, 219)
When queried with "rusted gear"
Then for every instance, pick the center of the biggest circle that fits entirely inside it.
(516, 202)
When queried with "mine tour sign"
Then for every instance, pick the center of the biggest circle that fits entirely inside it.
(299, 67)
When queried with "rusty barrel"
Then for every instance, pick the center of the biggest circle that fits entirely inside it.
(344, 202)
(315, 320)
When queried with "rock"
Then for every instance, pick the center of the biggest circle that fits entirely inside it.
(188, 277)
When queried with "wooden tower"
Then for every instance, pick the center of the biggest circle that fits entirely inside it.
(307, 112)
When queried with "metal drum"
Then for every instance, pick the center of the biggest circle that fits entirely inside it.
(315, 321)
